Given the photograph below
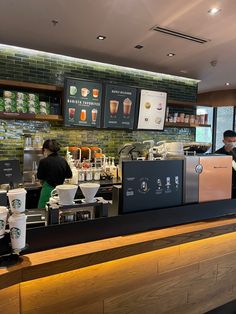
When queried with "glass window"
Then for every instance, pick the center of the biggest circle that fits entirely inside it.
(204, 134)
(224, 122)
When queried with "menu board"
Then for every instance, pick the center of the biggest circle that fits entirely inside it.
(10, 171)
(119, 107)
(82, 103)
(152, 110)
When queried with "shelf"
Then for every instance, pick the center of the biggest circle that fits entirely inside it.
(29, 116)
(185, 125)
(31, 85)
(51, 117)
(185, 103)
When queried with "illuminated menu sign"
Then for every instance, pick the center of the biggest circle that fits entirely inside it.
(82, 103)
(119, 109)
(152, 109)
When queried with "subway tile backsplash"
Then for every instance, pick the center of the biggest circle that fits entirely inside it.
(21, 66)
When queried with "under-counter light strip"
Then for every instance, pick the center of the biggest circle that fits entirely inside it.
(87, 62)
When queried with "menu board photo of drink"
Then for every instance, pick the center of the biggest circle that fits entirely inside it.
(119, 107)
(82, 103)
(152, 109)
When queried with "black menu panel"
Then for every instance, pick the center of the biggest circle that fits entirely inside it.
(151, 184)
(82, 103)
(10, 171)
(119, 109)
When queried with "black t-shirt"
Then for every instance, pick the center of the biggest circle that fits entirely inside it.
(54, 170)
(233, 154)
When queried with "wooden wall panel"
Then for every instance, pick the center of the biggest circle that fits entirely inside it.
(197, 278)
(194, 277)
(86, 285)
(197, 251)
(10, 300)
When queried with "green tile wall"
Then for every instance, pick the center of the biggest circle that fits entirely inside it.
(18, 64)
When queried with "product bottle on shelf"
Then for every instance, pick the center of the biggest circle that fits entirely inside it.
(113, 168)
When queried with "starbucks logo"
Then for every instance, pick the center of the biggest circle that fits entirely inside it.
(2, 224)
(16, 203)
(15, 233)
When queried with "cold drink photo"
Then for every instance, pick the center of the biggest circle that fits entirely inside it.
(114, 104)
(95, 93)
(71, 113)
(94, 113)
(83, 115)
(127, 103)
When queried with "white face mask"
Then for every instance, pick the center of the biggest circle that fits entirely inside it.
(231, 144)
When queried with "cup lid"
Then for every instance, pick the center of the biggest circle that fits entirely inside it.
(3, 209)
(19, 190)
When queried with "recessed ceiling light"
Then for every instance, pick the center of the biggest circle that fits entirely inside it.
(171, 54)
(227, 84)
(214, 11)
(101, 37)
(138, 46)
(184, 71)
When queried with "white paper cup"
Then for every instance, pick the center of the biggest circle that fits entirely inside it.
(17, 224)
(3, 220)
(17, 200)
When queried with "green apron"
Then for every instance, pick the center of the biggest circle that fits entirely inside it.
(45, 194)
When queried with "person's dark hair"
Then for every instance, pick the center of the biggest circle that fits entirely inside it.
(229, 133)
(52, 145)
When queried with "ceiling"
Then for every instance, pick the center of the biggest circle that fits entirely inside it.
(127, 23)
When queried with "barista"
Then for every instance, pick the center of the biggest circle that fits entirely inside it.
(229, 148)
(52, 170)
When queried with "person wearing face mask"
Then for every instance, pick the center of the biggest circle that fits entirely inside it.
(52, 170)
(229, 148)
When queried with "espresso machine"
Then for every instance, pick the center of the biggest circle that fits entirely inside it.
(207, 178)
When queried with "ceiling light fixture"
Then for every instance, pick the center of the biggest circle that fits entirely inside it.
(138, 46)
(101, 37)
(227, 84)
(214, 11)
(171, 54)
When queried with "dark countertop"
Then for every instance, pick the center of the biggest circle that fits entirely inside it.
(103, 183)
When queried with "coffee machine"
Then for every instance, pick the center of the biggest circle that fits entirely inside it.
(207, 178)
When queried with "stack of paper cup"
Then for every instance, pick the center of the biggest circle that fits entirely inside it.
(3, 220)
(17, 221)
(17, 224)
(17, 200)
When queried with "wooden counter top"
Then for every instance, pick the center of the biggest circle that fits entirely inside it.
(55, 261)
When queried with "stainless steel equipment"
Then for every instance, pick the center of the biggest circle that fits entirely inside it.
(132, 151)
(207, 178)
(196, 147)
(31, 160)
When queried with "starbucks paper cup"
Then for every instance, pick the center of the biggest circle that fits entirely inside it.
(17, 225)
(17, 200)
(3, 220)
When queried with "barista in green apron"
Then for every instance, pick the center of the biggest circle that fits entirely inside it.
(45, 194)
(52, 170)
